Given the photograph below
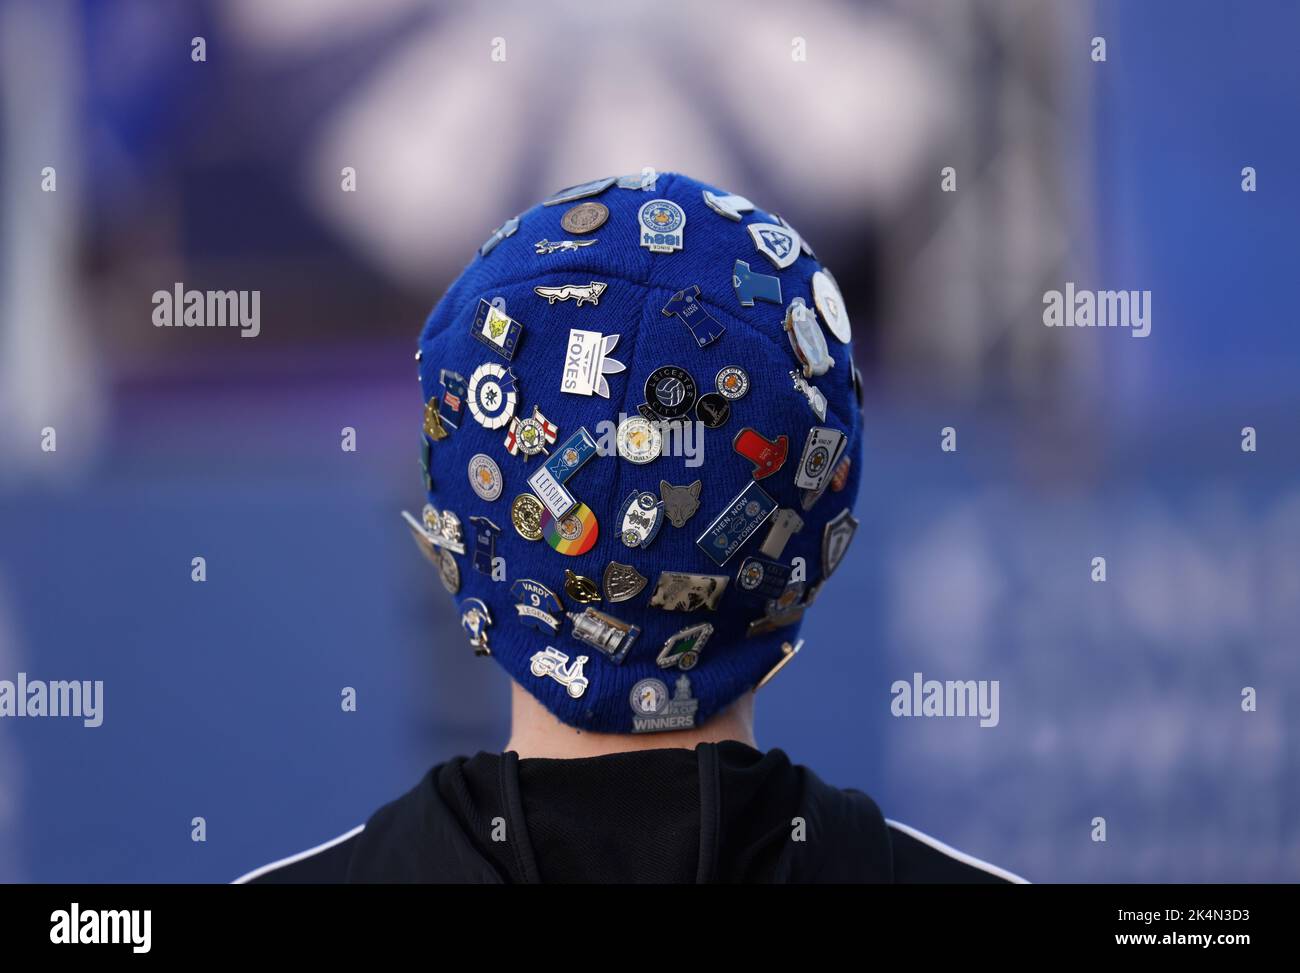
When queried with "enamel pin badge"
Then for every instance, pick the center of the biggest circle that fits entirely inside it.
(580, 294)
(663, 223)
(475, 619)
(537, 605)
(752, 286)
(736, 524)
(587, 361)
(640, 518)
(604, 632)
(779, 244)
(683, 649)
(680, 502)
(653, 711)
(686, 306)
(496, 329)
(554, 663)
(767, 455)
(491, 395)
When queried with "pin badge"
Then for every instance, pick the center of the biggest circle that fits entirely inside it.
(585, 217)
(587, 361)
(554, 663)
(778, 244)
(439, 529)
(680, 502)
(780, 612)
(752, 286)
(436, 555)
(433, 427)
(683, 649)
(806, 339)
(574, 533)
(580, 191)
(670, 392)
(453, 397)
(622, 582)
(726, 205)
(485, 476)
(560, 246)
(639, 440)
(732, 382)
(686, 306)
(575, 451)
(491, 395)
(762, 577)
(537, 605)
(767, 455)
(821, 450)
(857, 383)
(506, 229)
(580, 294)
(784, 523)
(662, 225)
(736, 524)
(496, 329)
(841, 475)
(426, 456)
(580, 589)
(713, 410)
(557, 500)
(475, 619)
(640, 518)
(604, 632)
(448, 571)
(485, 543)
(530, 436)
(643, 180)
(653, 711)
(830, 305)
(677, 591)
(835, 541)
(526, 515)
(816, 401)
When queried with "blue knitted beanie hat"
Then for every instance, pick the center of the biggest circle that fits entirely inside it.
(641, 447)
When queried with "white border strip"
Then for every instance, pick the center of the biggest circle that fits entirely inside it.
(259, 872)
(961, 856)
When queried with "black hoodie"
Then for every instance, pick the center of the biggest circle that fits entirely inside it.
(719, 813)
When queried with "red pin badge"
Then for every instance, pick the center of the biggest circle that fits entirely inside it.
(766, 455)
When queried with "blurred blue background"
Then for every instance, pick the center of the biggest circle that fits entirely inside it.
(1119, 700)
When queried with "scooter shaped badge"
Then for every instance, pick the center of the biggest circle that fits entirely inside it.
(554, 663)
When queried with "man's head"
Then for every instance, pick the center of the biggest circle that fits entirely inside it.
(642, 438)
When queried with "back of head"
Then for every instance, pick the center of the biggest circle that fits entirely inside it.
(641, 439)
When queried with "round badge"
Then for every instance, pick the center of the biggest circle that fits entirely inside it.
(573, 534)
(713, 410)
(816, 461)
(526, 515)
(662, 216)
(670, 391)
(585, 217)
(751, 575)
(485, 476)
(649, 696)
(826, 295)
(732, 382)
(639, 440)
(491, 394)
(448, 572)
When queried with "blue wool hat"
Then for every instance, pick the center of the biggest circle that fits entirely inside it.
(641, 445)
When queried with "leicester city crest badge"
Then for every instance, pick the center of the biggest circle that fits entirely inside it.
(662, 223)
